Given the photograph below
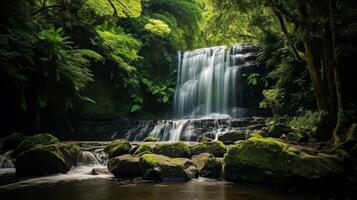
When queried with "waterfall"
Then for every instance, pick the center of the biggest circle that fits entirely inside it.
(6, 160)
(211, 92)
(209, 81)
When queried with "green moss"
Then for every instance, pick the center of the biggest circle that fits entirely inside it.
(159, 167)
(208, 165)
(231, 137)
(143, 149)
(154, 159)
(125, 166)
(47, 159)
(271, 160)
(117, 148)
(151, 139)
(173, 149)
(217, 148)
(32, 141)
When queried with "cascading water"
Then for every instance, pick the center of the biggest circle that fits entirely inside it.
(6, 160)
(209, 89)
(209, 81)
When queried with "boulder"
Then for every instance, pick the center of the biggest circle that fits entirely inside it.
(257, 134)
(12, 141)
(161, 168)
(216, 148)
(172, 149)
(47, 159)
(232, 136)
(117, 148)
(125, 166)
(269, 160)
(151, 139)
(204, 139)
(297, 137)
(142, 149)
(277, 130)
(99, 171)
(32, 141)
(207, 165)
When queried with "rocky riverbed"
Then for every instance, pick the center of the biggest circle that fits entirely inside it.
(258, 158)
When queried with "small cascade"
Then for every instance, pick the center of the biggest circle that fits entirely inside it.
(87, 158)
(192, 129)
(6, 160)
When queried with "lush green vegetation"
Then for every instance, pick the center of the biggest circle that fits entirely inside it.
(103, 59)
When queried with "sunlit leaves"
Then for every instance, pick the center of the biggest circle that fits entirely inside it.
(119, 46)
(157, 27)
(120, 8)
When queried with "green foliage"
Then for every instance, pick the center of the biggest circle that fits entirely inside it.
(118, 46)
(272, 100)
(309, 120)
(158, 27)
(60, 60)
(252, 79)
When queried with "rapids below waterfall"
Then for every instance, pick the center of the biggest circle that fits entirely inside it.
(79, 184)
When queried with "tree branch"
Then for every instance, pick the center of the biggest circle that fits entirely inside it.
(47, 8)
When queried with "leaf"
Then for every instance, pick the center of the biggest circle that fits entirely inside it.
(42, 101)
(135, 108)
(165, 99)
(88, 99)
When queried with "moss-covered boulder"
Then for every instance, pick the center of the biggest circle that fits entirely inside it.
(231, 137)
(202, 138)
(269, 160)
(159, 167)
(47, 159)
(117, 148)
(173, 149)
(32, 141)
(143, 149)
(216, 148)
(12, 141)
(125, 166)
(277, 130)
(207, 165)
(297, 137)
(151, 139)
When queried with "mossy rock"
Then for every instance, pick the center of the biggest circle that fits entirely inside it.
(204, 139)
(277, 130)
(216, 148)
(231, 137)
(151, 139)
(117, 148)
(259, 134)
(12, 141)
(142, 149)
(47, 159)
(269, 160)
(32, 141)
(297, 137)
(173, 149)
(125, 166)
(159, 167)
(207, 165)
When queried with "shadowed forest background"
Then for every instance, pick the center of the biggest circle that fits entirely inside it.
(66, 61)
(98, 95)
